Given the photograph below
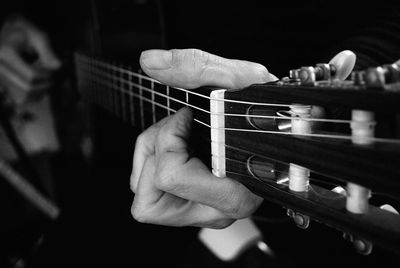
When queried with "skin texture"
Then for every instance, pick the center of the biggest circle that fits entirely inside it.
(173, 187)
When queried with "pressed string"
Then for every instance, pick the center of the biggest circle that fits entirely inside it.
(152, 91)
(141, 87)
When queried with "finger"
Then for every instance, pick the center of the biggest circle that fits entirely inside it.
(47, 57)
(193, 68)
(152, 205)
(18, 87)
(37, 40)
(12, 60)
(144, 148)
(344, 63)
(179, 174)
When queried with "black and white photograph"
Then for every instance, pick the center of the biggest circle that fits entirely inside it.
(215, 134)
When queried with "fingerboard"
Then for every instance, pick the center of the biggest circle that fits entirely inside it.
(134, 97)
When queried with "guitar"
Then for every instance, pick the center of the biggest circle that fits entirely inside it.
(315, 168)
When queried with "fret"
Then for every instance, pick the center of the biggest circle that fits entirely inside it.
(103, 93)
(147, 102)
(160, 92)
(122, 90)
(130, 92)
(177, 99)
(153, 107)
(169, 111)
(109, 92)
(115, 90)
(141, 102)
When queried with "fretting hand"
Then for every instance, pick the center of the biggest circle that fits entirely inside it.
(171, 186)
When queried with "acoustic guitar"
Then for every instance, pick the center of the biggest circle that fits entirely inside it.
(265, 137)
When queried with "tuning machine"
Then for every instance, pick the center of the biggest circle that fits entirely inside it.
(380, 77)
(308, 75)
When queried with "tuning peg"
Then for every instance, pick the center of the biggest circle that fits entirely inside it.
(302, 221)
(344, 63)
(362, 246)
(389, 208)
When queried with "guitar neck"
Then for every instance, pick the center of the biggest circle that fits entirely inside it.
(133, 97)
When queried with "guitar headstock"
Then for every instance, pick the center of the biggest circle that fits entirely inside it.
(325, 149)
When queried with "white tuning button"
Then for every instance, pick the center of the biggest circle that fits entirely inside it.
(344, 63)
(389, 208)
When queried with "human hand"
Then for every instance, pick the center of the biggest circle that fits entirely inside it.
(171, 186)
(27, 61)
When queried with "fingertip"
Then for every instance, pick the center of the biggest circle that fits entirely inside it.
(185, 112)
(155, 59)
(265, 75)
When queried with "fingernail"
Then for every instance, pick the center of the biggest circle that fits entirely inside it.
(156, 59)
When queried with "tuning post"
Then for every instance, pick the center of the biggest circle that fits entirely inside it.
(357, 196)
(299, 177)
(308, 75)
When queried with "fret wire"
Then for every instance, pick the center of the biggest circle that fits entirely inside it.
(122, 98)
(153, 107)
(142, 98)
(168, 102)
(131, 108)
(141, 103)
(109, 99)
(115, 84)
(153, 92)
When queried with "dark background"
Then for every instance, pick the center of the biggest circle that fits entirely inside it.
(96, 228)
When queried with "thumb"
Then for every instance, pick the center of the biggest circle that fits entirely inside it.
(173, 135)
(193, 68)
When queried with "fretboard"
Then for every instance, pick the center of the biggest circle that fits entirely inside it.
(134, 97)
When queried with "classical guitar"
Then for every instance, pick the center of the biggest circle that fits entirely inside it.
(328, 170)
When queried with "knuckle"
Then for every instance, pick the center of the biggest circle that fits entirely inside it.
(141, 139)
(190, 57)
(166, 181)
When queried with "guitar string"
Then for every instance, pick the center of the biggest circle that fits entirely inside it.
(108, 66)
(256, 218)
(281, 171)
(333, 136)
(129, 83)
(313, 180)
